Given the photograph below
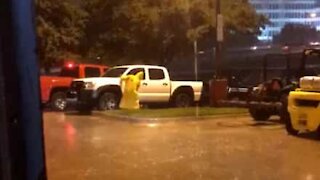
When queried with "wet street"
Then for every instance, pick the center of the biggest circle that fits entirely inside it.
(96, 148)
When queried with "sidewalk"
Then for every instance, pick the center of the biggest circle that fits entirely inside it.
(151, 116)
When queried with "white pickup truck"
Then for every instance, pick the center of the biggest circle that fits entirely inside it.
(156, 87)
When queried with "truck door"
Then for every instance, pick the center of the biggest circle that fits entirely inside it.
(156, 88)
(143, 87)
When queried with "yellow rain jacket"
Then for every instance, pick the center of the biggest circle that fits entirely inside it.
(130, 86)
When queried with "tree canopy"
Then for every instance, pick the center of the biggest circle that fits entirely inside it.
(152, 31)
(297, 34)
(60, 25)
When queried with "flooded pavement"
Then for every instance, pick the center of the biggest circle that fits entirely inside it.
(95, 148)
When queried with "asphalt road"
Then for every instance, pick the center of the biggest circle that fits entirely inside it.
(95, 148)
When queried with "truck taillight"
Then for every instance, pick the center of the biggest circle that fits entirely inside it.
(70, 65)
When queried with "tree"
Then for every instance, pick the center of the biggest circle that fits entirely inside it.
(159, 30)
(60, 26)
(296, 34)
(243, 23)
(142, 30)
(103, 34)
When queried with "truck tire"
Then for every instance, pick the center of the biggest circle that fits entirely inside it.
(182, 100)
(108, 101)
(259, 114)
(318, 133)
(58, 101)
(284, 114)
(286, 119)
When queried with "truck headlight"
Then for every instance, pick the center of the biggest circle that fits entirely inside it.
(255, 89)
(89, 85)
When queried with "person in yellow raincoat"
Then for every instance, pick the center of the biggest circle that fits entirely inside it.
(130, 85)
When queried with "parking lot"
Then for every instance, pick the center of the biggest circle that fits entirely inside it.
(95, 147)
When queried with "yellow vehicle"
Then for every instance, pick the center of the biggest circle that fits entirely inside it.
(304, 107)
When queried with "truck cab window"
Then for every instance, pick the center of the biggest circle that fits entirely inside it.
(156, 74)
(70, 72)
(115, 72)
(137, 70)
(92, 72)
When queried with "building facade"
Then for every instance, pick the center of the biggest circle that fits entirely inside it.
(281, 12)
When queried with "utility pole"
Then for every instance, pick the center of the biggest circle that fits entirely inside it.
(219, 39)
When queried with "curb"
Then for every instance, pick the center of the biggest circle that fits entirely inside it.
(163, 120)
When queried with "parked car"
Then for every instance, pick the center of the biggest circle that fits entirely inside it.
(105, 92)
(54, 88)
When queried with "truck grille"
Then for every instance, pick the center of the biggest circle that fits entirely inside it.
(307, 103)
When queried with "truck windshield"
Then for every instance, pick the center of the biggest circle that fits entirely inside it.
(115, 72)
(70, 72)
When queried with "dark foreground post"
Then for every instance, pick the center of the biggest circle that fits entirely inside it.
(21, 131)
(218, 85)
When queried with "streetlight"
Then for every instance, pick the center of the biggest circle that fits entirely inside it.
(313, 15)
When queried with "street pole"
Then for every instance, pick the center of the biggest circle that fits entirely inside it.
(219, 39)
(195, 47)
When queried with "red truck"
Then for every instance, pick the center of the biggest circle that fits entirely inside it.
(54, 88)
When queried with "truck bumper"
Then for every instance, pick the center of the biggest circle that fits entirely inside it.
(304, 118)
(83, 98)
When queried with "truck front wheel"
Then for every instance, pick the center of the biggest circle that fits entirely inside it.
(182, 100)
(259, 114)
(59, 101)
(108, 101)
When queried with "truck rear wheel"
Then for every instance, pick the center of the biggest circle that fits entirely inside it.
(259, 114)
(59, 101)
(182, 100)
(108, 101)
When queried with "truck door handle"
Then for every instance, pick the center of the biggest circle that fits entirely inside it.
(145, 84)
(165, 84)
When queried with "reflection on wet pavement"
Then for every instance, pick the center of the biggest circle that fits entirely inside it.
(90, 147)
